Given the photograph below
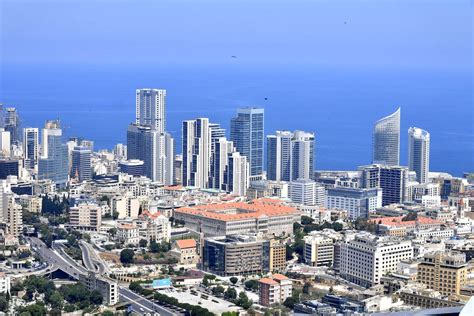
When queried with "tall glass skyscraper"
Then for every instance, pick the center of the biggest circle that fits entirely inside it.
(12, 125)
(81, 168)
(386, 140)
(150, 108)
(54, 162)
(247, 133)
(30, 146)
(419, 153)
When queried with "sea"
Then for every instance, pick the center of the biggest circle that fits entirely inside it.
(338, 104)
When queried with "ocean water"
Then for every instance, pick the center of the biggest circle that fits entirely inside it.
(340, 105)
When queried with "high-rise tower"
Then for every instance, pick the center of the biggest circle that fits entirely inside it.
(386, 140)
(419, 153)
(30, 146)
(150, 108)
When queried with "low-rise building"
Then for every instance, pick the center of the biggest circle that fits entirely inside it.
(318, 250)
(274, 290)
(186, 251)
(5, 284)
(128, 233)
(357, 202)
(85, 217)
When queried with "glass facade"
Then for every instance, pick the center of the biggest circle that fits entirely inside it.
(386, 140)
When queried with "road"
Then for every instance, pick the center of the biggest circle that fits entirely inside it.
(91, 260)
(58, 259)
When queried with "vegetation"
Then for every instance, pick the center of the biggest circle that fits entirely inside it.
(243, 301)
(230, 294)
(159, 247)
(234, 280)
(126, 256)
(218, 291)
(366, 225)
(411, 216)
(251, 285)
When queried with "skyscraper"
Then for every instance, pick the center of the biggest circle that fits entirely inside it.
(5, 143)
(391, 179)
(81, 163)
(419, 153)
(150, 108)
(386, 140)
(30, 146)
(196, 152)
(290, 156)
(12, 124)
(220, 159)
(247, 133)
(237, 176)
(54, 161)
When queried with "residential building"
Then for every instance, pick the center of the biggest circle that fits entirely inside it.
(196, 153)
(126, 206)
(12, 125)
(393, 180)
(264, 216)
(86, 217)
(307, 192)
(318, 250)
(128, 234)
(386, 140)
(5, 143)
(221, 148)
(247, 133)
(290, 156)
(186, 249)
(150, 109)
(367, 258)
(274, 290)
(81, 168)
(31, 146)
(419, 153)
(277, 256)
(107, 287)
(235, 255)
(237, 175)
(357, 202)
(416, 191)
(264, 188)
(443, 272)
(5, 283)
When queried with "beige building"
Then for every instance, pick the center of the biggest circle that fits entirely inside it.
(85, 217)
(128, 234)
(318, 250)
(186, 251)
(443, 272)
(277, 256)
(274, 290)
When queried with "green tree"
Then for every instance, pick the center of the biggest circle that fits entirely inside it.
(244, 301)
(96, 298)
(218, 290)
(142, 243)
(233, 280)
(154, 247)
(251, 285)
(306, 220)
(126, 256)
(3, 303)
(230, 294)
(290, 302)
(55, 299)
(107, 313)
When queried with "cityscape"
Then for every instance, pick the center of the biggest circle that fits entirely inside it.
(230, 217)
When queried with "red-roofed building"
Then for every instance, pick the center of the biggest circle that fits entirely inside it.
(274, 290)
(268, 216)
(395, 226)
(186, 252)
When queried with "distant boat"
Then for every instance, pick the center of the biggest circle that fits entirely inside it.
(233, 56)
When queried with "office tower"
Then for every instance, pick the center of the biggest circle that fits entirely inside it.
(356, 202)
(150, 108)
(8, 167)
(247, 133)
(120, 151)
(5, 143)
(419, 153)
(443, 272)
(220, 157)
(30, 146)
(154, 149)
(237, 174)
(290, 156)
(302, 155)
(81, 163)
(133, 167)
(54, 161)
(386, 140)
(12, 124)
(279, 156)
(367, 258)
(87, 143)
(307, 192)
(196, 152)
(393, 180)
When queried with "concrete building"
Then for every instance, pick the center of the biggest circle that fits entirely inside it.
(367, 258)
(5, 283)
(274, 290)
(126, 206)
(9, 167)
(150, 109)
(307, 192)
(416, 191)
(107, 287)
(386, 140)
(264, 188)
(196, 151)
(12, 125)
(277, 256)
(221, 149)
(31, 146)
(133, 167)
(237, 174)
(419, 153)
(81, 168)
(290, 156)
(128, 234)
(393, 180)
(357, 202)
(235, 255)
(85, 217)
(443, 272)
(265, 216)
(247, 133)
(186, 249)
(318, 250)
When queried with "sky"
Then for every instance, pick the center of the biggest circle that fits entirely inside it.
(365, 33)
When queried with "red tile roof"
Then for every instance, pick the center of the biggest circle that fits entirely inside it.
(268, 281)
(186, 243)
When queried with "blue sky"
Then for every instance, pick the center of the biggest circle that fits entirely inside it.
(412, 33)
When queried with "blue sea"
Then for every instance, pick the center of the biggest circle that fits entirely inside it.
(340, 105)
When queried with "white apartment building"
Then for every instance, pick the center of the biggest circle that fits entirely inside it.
(128, 234)
(357, 202)
(416, 191)
(125, 206)
(5, 283)
(367, 258)
(318, 250)
(86, 217)
(307, 192)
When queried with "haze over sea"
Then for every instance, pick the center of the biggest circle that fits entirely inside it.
(326, 69)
